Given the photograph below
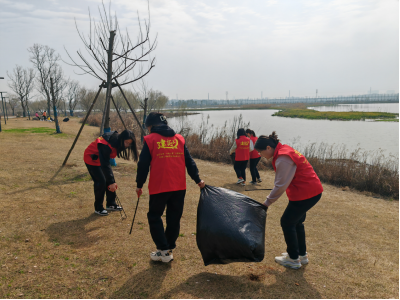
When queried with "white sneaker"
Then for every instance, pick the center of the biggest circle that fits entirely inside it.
(303, 259)
(162, 255)
(286, 261)
(239, 181)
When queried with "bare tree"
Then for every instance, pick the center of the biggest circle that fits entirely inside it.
(157, 100)
(13, 102)
(81, 94)
(21, 82)
(120, 100)
(86, 100)
(118, 60)
(45, 61)
(149, 99)
(72, 94)
(58, 84)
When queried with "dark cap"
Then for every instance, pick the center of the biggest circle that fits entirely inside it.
(155, 119)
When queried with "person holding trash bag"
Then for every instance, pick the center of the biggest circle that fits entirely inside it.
(296, 176)
(242, 146)
(254, 158)
(97, 159)
(165, 154)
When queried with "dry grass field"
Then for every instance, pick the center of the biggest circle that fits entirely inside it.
(52, 245)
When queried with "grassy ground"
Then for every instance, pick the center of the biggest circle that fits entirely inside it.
(53, 246)
(333, 115)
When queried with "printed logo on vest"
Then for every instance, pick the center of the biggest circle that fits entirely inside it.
(169, 144)
(300, 155)
(101, 138)
(244, 143)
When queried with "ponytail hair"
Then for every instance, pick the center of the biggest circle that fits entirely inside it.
(251, 132)
(264, 141)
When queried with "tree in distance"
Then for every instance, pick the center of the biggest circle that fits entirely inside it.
(22, 84)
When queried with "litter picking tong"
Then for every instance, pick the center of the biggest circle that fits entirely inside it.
(120, 204)
(137, 203)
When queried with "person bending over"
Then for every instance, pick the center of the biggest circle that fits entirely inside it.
(242, 146)
(296, 176)
(165, 154)
(97, 159)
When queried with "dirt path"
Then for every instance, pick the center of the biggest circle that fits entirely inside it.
(53, 246)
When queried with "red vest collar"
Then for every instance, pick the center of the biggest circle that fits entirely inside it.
(279, 146)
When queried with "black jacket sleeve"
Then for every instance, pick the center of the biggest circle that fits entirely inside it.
(104, 155)
(191, 167)
(143, 166)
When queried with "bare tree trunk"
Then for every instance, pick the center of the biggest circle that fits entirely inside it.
(54, 105)
(27, 108)
(106, 115)
(23, 109)
(48, 105)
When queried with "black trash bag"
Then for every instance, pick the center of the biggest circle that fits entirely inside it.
(230, 227)
(66, 120)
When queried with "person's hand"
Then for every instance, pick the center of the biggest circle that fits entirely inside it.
(201, 184)
(139, 192)
(113, 187)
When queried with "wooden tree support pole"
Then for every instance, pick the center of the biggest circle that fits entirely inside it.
(123, 123)
(130, 107)
(79, 132)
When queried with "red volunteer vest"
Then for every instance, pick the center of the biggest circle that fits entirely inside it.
(242, 148)
(92, 149)
(167, 167)
(305, 183)
(254, 153)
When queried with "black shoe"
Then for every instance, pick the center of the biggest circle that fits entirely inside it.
(101, 212)
(113, 207)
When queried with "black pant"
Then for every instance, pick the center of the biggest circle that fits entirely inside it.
(253, 168)
(165, 240)
(293, 227)
(240, 168)
(100, 188)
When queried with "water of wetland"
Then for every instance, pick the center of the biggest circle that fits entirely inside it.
(369, 136)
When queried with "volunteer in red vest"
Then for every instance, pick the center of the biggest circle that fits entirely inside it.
(97, 159)
(242, 148)
(296, 176)
(165, 154)
(254, 158)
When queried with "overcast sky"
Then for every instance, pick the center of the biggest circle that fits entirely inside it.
(339, 47)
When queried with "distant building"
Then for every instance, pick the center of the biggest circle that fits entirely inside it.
(390, 92)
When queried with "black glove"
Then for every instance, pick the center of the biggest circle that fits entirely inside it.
(94, 156)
